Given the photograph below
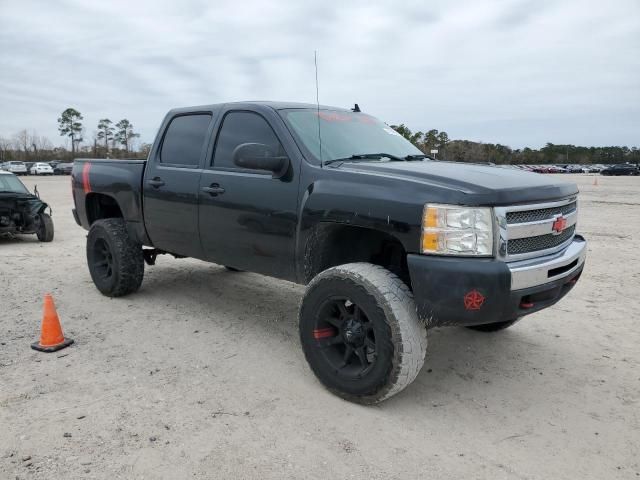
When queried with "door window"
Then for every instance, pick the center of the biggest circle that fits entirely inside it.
(243, 127)
(184, 140)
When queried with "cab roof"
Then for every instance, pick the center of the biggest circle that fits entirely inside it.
(255, 103)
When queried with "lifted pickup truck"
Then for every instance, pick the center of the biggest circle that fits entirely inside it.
(389, 242)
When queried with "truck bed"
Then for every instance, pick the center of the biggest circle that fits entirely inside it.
(99, 180)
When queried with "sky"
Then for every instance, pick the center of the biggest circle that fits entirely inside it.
(520, 72)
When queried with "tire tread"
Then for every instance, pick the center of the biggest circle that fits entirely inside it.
(408, 332)
(130, 270)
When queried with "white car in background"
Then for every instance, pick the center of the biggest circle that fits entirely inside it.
(18, 168)
(41, 168)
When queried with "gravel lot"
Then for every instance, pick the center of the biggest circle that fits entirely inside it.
(200, 374)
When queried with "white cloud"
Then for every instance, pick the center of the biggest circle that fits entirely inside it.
(517, 73)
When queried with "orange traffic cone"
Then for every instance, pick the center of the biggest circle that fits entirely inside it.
(51, 337)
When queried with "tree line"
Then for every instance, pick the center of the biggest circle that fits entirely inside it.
(116, 140)
(468, 151)
(107, 133)
(111, 140)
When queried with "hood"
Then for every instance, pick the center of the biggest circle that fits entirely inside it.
(471, 183)
(25, 203)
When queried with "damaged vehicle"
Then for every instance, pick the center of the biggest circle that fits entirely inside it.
(21, 211)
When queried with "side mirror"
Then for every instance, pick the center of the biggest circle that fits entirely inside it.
(257, 156)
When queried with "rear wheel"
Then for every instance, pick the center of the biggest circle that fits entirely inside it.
(360, 332)
(493, 327)
(116, 262)
(45, 228)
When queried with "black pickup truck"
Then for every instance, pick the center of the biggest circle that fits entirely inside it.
(389, 242)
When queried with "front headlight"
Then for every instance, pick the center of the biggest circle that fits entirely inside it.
(454, 230)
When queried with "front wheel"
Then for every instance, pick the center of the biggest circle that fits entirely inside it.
(360, 332)
(45, 228)
(116, 262)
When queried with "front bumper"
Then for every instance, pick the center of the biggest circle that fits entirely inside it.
(469, 291)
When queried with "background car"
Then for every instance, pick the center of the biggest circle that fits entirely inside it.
(63, 169)
(41, 168)
(19, 168)
(622, 169)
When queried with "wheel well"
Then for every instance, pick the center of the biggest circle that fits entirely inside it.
(101, 206)
(334, 244)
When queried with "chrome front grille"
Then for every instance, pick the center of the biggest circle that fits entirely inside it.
(541, 242)
(528, 231)
(526, 216)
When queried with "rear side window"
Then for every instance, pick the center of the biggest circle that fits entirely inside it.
(242, 127)
(185, 139)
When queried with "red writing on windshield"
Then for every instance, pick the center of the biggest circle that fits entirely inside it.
(334, 117)
(341, 117)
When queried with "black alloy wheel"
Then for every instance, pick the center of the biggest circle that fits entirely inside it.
(346, 338)
(360, 332)
(102, 259)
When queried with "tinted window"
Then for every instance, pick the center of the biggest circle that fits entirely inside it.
(185, 139)
(345, 133)
(243, 127)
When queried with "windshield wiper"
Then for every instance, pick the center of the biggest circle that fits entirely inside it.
(365, 156)
(417, 157)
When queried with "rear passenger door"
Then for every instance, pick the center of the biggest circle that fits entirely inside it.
(171, 184)
(248, 218)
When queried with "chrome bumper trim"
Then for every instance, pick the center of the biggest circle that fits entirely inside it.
(536, 271)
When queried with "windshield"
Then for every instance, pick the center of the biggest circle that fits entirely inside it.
(10, 183)
(345, 134)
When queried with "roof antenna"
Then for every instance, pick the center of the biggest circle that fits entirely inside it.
(315, 60)
(356, 108)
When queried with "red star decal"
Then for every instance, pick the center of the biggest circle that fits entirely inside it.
(473, 300)
(559, 225)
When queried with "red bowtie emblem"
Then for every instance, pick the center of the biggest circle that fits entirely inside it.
(559, 225)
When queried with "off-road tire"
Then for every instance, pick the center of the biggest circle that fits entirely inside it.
(389, 306)
(127, 261)
(45, 228)
(493, 327)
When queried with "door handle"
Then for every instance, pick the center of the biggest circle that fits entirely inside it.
(214, 190)
(156, 182)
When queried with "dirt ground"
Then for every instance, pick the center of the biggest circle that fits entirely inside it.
(201, 375)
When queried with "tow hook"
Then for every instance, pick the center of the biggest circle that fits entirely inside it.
(525, 304)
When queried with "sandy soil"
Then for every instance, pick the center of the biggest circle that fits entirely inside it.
(200, 374)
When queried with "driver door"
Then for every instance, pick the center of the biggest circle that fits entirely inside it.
(247, 219)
